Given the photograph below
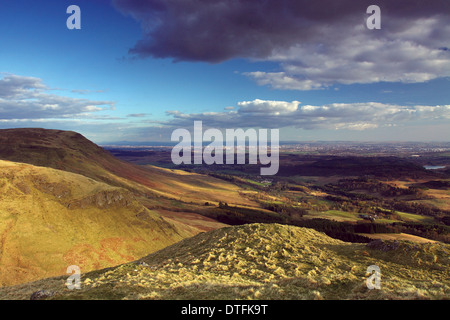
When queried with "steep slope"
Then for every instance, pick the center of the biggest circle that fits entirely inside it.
(264, 261)
(70, 151)
(51, 219)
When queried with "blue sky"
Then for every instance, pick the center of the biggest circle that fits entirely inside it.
(139, 69)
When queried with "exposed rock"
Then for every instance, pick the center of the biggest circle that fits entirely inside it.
(41, 295)
(143, 264)
(104, 199)
(383, 245)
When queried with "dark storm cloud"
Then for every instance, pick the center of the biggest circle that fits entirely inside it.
(209, 30)
(316, 43)
(214, 31)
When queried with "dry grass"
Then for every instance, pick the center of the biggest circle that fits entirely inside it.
(397, 236)
(70, 151)
(192, 187)
(50, 219)
(85, 207)
(264, 262)
(193, 220)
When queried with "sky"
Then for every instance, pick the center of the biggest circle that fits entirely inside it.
(139, 69)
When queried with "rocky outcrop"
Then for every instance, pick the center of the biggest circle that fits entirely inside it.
(103, 199)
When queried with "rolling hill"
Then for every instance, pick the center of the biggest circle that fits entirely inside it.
(263, 261)
(70, 151)
(135, 232)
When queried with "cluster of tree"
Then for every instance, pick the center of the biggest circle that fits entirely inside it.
(241, 180)
(434, 184)
(429, 231)
(417, 208)
(374, 228)
(446, 220)
(279, 186)
(315, 205)
(349, 232)
(353, 203)
(234, 215)
(339, 230)
(237, 215)
(374, 186)
(338, 195)
(223, 176)
(298, 188)
(380, 167)
(292, 212)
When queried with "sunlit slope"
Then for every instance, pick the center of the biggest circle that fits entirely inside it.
(264, 261)
(70, 151)
(50, 219)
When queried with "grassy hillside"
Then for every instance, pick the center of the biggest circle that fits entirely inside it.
(264, 261)
(70, 151)
(50, 219)
(77, 204)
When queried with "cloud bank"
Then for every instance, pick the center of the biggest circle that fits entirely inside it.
(26, 101)
(280, 114)
(23, 98)
(315, 43)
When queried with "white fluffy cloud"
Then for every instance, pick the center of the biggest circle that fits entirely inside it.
(281, 114)
(15, 87)
(28, 98)
(412, 54)
(265, 106)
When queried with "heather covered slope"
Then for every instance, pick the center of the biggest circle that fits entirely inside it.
(264, 261)
(51, 219)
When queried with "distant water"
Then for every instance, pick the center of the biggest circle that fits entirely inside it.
(433, 167)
